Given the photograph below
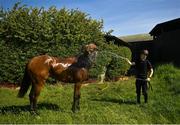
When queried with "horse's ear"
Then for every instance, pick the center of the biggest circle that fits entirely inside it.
(85, 48)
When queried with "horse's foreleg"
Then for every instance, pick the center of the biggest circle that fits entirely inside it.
(77, 95)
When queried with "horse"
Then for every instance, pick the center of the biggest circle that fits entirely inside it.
(68, 70)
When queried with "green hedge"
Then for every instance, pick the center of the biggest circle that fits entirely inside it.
(26, 32)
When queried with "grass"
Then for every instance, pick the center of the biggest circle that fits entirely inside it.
(115, 104)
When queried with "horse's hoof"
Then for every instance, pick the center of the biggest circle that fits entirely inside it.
(33, 112)
(78, 108)
(75, 110)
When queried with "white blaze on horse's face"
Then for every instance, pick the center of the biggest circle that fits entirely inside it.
(91, 49)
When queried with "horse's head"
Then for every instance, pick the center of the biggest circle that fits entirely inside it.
(91, 51)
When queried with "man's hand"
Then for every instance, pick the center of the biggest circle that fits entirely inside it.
(130, 63)
(148, 79)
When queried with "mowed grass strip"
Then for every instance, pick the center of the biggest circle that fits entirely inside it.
(115, 104)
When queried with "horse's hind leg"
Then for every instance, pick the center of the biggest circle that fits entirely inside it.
(77, 95)
(34, 94)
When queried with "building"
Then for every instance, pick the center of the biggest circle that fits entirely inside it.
(166, 42)
(116, 41)
(163, 43)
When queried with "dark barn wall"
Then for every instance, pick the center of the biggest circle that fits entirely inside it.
(167, 47)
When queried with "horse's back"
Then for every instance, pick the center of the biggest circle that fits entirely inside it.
(39, 66)
(42, 66)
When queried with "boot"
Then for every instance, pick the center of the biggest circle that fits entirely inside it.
(145, 98)
(138, 99)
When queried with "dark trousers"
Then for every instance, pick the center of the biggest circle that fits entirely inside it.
(140, 84)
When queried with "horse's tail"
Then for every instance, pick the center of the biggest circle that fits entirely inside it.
(26, 82)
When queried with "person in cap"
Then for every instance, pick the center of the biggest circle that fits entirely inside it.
(144, 72)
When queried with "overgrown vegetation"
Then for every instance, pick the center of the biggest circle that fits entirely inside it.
(170, 75)
(115, 104)
(26, 32)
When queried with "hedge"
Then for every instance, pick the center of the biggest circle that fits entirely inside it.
(26, 32)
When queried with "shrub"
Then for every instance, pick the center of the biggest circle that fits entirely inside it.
(167, 72)
(170, 75)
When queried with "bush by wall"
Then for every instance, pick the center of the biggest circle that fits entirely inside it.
(26, 32)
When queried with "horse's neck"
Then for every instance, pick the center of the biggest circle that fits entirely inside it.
(83, 62)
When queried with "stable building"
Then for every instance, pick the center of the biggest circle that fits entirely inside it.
(115, 40)
(166, 42)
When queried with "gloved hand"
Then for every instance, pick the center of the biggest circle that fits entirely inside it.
(148, 79)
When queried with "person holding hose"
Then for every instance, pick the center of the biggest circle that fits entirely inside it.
(144, 72)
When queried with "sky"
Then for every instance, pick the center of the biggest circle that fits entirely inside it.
(124, 17)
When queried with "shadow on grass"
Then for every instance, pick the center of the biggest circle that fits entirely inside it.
(26, 108)
(120, 101)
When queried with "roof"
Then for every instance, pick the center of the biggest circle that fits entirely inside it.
(165, 27)
(136, 38)
(116, 40)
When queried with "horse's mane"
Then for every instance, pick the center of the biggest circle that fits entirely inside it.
(82, 61)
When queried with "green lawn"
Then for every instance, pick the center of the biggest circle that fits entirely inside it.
(115, 104)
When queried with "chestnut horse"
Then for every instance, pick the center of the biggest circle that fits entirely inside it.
(68, 70)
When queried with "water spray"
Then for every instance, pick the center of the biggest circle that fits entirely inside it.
(118, 56)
